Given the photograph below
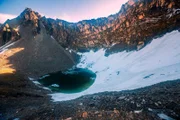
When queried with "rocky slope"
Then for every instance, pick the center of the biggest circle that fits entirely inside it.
(21, 99)
(134, 26)
(35, 53)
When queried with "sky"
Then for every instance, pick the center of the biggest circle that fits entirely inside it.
(69, 10)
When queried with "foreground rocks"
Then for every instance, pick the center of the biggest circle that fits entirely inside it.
(21, 99)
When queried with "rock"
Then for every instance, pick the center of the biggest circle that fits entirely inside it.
(85, 115)
(171, 5)
(37, 105)
(140, 17)
(80, 104)
(140, 45)
(97, 112)
(100, 115)
(131, 2)
(116, 111)
(70, 118)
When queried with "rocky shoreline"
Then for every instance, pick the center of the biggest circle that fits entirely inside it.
(23, 100)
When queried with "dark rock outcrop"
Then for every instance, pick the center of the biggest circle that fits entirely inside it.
(8, 33)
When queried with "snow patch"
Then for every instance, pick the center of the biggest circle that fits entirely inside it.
(55, 85)
(44, 76)
(2, 51)
(150, 109)
(52, 37)
(157, 62)
(5, 47)
(165, 117)
(70, 50)
(43, 25)
(46, 88)
(137, 111)
(36, 82)
(16, 119)
(31, 78)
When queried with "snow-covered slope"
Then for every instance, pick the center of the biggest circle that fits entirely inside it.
(159, 61)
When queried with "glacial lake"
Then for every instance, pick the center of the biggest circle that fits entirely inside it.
(72, 81)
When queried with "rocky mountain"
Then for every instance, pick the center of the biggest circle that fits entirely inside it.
(29, 50)
(33, 47)
(134, 26)
(131, 28)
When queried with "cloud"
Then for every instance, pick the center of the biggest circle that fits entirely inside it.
(63, 16)
(4, 17)
(67, 17)
(107, 8)
(103, 8)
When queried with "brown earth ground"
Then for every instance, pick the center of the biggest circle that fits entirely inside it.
(22, 99)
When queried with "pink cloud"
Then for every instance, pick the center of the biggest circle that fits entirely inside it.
(104, 9)
(99, 9)
(4, 17)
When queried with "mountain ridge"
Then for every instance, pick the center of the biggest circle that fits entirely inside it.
(134, 26)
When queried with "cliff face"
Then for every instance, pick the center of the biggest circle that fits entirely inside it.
(8, 33)
(136, 24)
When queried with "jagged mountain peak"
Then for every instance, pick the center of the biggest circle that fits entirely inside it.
(29, 14)
(29, 17)
(134, 26)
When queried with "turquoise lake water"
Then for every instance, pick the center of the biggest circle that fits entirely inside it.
(71, 81)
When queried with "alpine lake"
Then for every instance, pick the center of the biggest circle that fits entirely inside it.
(72, 81)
